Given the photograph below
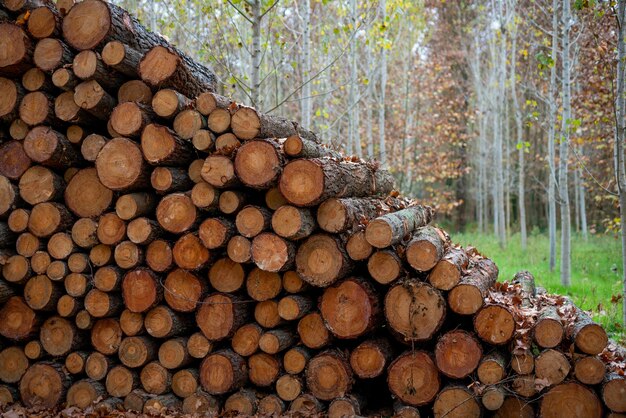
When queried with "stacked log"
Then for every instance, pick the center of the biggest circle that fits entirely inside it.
(169, 249)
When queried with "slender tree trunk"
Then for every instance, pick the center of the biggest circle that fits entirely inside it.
(368, 113)
(576, 203)
(352, 94)
(307, 100)
(257, 54)
(583, 205)
(566, 249)
(381, 99)
(620, 136)
(551, 140)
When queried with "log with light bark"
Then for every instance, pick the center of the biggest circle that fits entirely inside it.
(247, 123)
(467, 297)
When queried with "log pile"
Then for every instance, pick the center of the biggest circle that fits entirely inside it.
(164, 248)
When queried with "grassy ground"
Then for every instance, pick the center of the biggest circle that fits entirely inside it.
(596, 269)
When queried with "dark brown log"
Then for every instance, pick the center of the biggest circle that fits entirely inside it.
(456, 401)
(59, 337)
(351, 308)
(514, 407)
(13, 364)
(401, 410)
(167, 103)
(328, 375)
(44, 22)
(415, 310)
(17, 50)
(495, 324)
(121, 57)
(155, 378)
(457, 354)
(589, 370)
(259, 163)
(223, 372)
(159, 256)
(293, 223)
(266, 314)
(426, 248)
(321, 260)
(551, 367)
(185, 382)
(18, 129)
(176, 213)
(216, 232)
(245, 341)
(468, 296)
(198, 345)
(63, 78)
(33, 350)
(298, 147)
(97, 366)
(207, 102)
(263, 369)
(247, 123)
(349, 405)
(309, 182)
(106, 336)
(243, 402)
(133, 205)
(44, 385)
(92, 97)
(183, 290)
(385, 266)
(370, 358)
(188, 122)
(121, 381)
(296, 359)
(201, 403)
(289, 387)
(13, 160)
(571, 400)
(161, 146)
(173, 353)
(131, 323)
(134, 91)
(220, 315)
(135, 352)
(589, 337)
(448, 271)
(219, 171)
(357, 247)
(294, 307)
(21, 5)
(41, 294)
(141, 290)
(393, 227)
(136, 400)
(313, 333)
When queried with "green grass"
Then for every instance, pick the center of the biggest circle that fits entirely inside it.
(596, 270)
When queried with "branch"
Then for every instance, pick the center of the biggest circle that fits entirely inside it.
(245, 16)
(268, 9)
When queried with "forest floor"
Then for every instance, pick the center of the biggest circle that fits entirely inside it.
(596, 270)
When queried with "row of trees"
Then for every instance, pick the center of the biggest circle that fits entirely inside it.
(500, 113)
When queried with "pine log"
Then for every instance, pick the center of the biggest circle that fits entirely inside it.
(130, 118)
(135, 352)
(204, 196)
(188, 122)
(75, 362)
(293, 223)
(128, 255)
(121, 58)
(239, 249)
(111, 229)
(44, 385)
(68, 306)
(226, 143)
(259, 163)
(245, 341)
(63, 78)
(198, 345)
(468, 296)
(170, 179)
(18, 321)
(159, 256)
(495, 324)
(274, 198)
(293, 283)
(92, 97)
(41, 294)
(349, 405)
(589, 370)
(289, 387)
(613, 390)
(216, 232)
(328, 375)
(201, 403)
(393, 227)
(141, 290)
(17, 50)
(121, 381)
(189, 253)
(185, 383)
(273, 253)
(68, 111)
(39, 184)
(173, 354)
(97, 366)
(571, 400)
(86, 196)
(134, 91)
(219, 171)
(589, 337)
(312, 331)
(384, 266)
(514, 407)
(91, 146)
(223, 372)
(220, 315)
(183, 290)
(83, 320)
(13, 364)
(263, 369)
(12, 95)
(37, 108)
(133, 205)
(247, 123)
(243, 402)
(44, 22)
(296, 359)
(306, 404)
(207, 102)
(266, 314)
(161, 146)
(18, 218)
(77, 284)
(60, 246)
(321, 260)
(155, 378)
(294, 307)
(426, 248)
(457, 354)
(16, 269)
(101, 304)
(40, 261)
(414, 310)
(13, 159)
(136, 400)
(167, 103)
(552, 367)
(448, 271)
(121, 167)
(106, 336)
(310, 182)
(35, 79)
(370, 358)
(357, 247)
(84, 233)
(26, 244)
(226, 275)
(33, 350)
(413, 378)
(401, 410)
(59, 337)
(523, 363)
(252, 220)
(340, 215)
(49, 148)
(203, 140)
(176, 213)
(456, 401)
(162, 322)
(143, 230)
(298, 147)
(131, 323)
(276, 340)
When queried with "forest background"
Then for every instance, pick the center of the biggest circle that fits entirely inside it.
(499, 113)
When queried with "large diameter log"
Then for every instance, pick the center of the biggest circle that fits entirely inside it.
(86, 196)
(391, 228)
(456, 402)
(223, 372)
(589, 337)
(245, 341)
(457, 354)
(17, 320)
(426, 248)
(161, 146)
(468, 296)
(263, 369)
(84, 393)
(370, 358)
(552, 367)
(414, 310)
(495, 324)
(328, 375)
(165, 67)
(141, 290)
(220, 315)
(44, 385)
(351, 308)
(589, 370)
(309, 182)
(59, 336)
(183, 290)
(613, 391)
(448, 271)
(17, 50)
(247, 123)
(176, 213)
(413, 378)
(321, 260)
(570, 400)
(121, 167)
(13, 159)
(273, 253)
(13, 364)
(258, 163)
(548, 331)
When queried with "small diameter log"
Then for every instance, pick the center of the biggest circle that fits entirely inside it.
(262, 285)
(12, 95)
(293, 283)
(17, 50)
(18, 129)
(276, 340)
(468, 296)
(83, 320)
(40, 261)
(16, 269)
(133, 205)
(226, 143)
(189, 253)
(426, 248)
(57, 270)
(59, 337)
(493, 398)
(220, 315)
(223, 372)
(207, 102)
(195, 170)
(298, 147)
(26, 244)
(571, 400)
(263, 369)
(523, 363)
(128, 255)
(13, 364)
(161, 146)
(357, 247)
(495, 324)
(370, 358)
(130, 118)
(101, 304)
(75, 362)
(289, 387)
(203, 140)
(188, 122)
(121, 381)
(18, 219)
(456, 401)
(159, 256)
(391, 228)
(198, 345)
(173, 353)
(201, 403)
(310, 182)
(84, 233)
(134, 91)
(306, 404)
(86, 196)
(589, 370)
(227, 276)
(162, 322)
(68, 111)
(121, 166)
(245, 341)
(155, 378)
(143, 231)
(106, 336)
(413, 378)
(111, 229)
(259, 163)
(131, 323)
(243, 402)
(135, 352)
(49, 148)
(78, 262)
(273, 253)
(97, 366)
(37, 108)
(548, 331)
(328, 375)
(239, 249)
(33, 350)
(448, 271)
(9, 199)
(185, 382)
(293, 223)
(101, 255)
(88, 65)
(215, 232)
(167, 103)
(247, 123)
(68, 306)
(42, 294)
(176, 213)
(44, 385)
(121, 57)
(339, 215)
(457, 354)
(252, 220)
(401, 410)
(274, 199)
(514, 407)
(204, 196)
(294, 307)
(266, 314)
(218, 120)
(551, 367)
(350, 308)
(64, 78)
(296, 359)
(91, 146)
(136, 400)
(349, 405)
(35, 79)
(313, 332)
(13, 159)
(92, 97)
(321, 260)
(384, 266)
(415, 310)
(589, 337)
(219, 171)
(77, 284)
(44, 22)
(183, 290)
(613, 390)
(141, 290)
